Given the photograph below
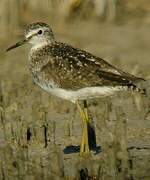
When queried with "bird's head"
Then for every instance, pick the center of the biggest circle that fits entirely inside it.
(35, 33)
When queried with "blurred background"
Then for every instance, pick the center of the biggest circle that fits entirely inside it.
(35, 127)
(116, 30)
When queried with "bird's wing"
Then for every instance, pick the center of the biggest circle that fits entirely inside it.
(76, 68)
(104, 66)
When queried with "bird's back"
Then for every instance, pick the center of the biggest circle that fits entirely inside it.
(72, 68)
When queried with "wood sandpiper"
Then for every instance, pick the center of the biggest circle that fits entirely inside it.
(71, 73)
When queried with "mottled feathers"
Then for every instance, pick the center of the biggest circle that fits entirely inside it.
(72, 68)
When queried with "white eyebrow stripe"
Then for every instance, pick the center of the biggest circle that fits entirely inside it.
(33, 32)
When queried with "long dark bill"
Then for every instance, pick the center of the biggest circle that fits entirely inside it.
(17, 44)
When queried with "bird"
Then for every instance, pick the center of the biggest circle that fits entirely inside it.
(72, 74)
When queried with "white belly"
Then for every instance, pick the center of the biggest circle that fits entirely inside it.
(82, 94)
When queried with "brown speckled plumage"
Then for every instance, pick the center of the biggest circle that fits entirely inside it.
(72, 74)
(69, 72)
(72, 68)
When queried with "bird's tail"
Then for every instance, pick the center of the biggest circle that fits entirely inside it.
(134, 88)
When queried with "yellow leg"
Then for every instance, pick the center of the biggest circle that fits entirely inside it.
(87, 150)
(84, 148)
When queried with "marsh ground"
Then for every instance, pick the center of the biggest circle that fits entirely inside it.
(27, 112)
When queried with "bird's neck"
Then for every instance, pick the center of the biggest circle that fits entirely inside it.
(39, 45)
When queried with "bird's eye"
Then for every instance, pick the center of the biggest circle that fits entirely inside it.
(40, 32)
